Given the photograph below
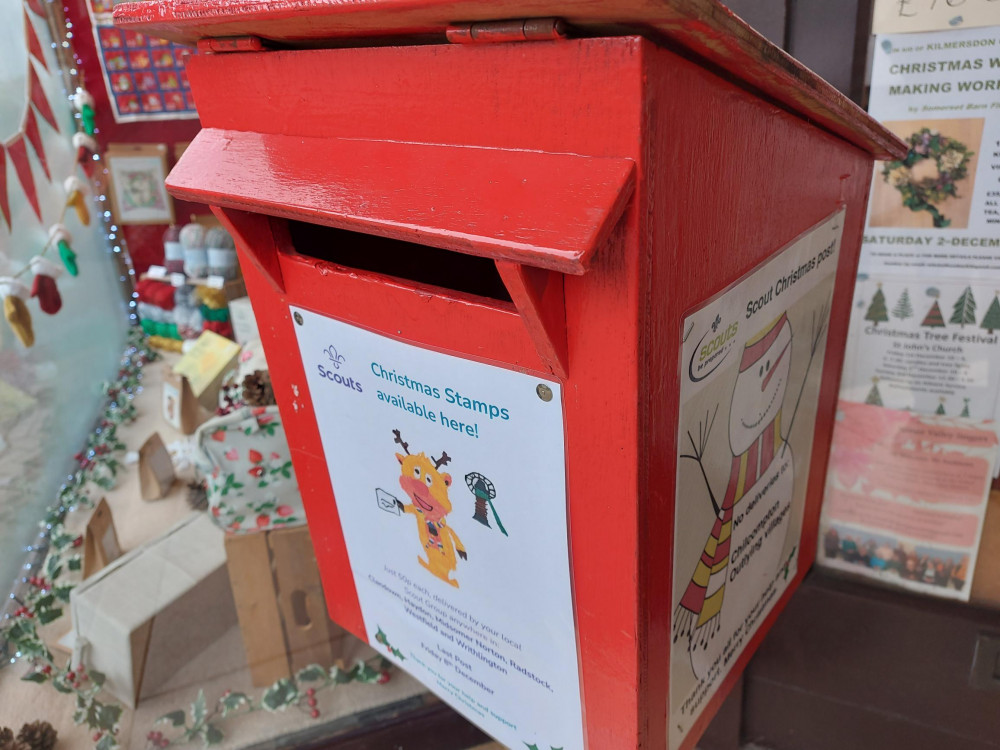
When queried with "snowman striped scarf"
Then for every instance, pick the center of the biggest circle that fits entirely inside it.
(702, 600)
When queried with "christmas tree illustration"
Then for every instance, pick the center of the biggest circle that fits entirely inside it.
(940, 410)
(903, 308)
(877, 312)
(965, 409)
(991, 320)
(874, 397)
(933, 319)
(965, 309)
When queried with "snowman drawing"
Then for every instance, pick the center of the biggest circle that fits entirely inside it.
(743, 553)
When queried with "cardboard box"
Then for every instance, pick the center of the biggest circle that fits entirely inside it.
(205, 365)
(152, 610)
(243, 320)
(279, 600)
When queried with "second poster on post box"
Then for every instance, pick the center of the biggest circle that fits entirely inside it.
(450, 482)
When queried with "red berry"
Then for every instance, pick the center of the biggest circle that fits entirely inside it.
(383, 678)
(311, 702)
(311, 692)
(97, 736)
(78, 541)
(47, 669)
(314, 713)
(71, 676)
(263, 520)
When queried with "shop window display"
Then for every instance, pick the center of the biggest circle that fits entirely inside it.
(163, 590)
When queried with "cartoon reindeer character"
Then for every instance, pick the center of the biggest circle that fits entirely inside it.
(427, 488)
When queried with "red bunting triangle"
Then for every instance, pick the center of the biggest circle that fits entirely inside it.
(37, 7)
(34, 46)
(4, 201)
(19, 158)
(38, 98)
(31, 131)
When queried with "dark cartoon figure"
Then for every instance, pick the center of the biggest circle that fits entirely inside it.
(427, 487)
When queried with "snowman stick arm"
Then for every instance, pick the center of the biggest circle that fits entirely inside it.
(696, 456)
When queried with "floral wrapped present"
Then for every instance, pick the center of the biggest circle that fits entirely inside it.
(245, 460)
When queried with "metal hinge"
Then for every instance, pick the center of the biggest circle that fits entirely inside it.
(522, 30)
(230, 44)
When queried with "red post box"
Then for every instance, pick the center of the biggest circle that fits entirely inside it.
(555, 312)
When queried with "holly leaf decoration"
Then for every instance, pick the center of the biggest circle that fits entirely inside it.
(107, 742)
(47, 615)
(342, 676)
(35, 677)
(213, 735)
(53, 566)
(97, 678)
(176, 718)
(74, 563)
(233, 702)
(366, 673)
(199, 709)
(311, 673)
(531, 747)
(108, 716)
(280, 695)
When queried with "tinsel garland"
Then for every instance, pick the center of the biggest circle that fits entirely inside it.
(44, 596)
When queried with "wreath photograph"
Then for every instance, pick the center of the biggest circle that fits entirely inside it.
(935, 179)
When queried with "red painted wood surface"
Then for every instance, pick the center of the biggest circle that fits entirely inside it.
(723, 179)
(704, 27)
(545, 210)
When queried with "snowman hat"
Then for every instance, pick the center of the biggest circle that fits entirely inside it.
(761, 343)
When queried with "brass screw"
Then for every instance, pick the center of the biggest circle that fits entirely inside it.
(544, 392)
(298, 318)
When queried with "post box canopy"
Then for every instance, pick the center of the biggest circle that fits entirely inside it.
(540, 209)
(703, 27)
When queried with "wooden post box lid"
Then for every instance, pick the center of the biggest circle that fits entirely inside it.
(704, 27)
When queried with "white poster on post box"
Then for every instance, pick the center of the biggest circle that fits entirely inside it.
(752, 365)
(450, 482)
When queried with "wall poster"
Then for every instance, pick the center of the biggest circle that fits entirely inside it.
(450, 482)
(752, 364)
(906, 496)
(937, 211)
(145, 77)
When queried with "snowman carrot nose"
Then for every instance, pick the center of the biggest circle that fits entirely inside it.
(771, 372)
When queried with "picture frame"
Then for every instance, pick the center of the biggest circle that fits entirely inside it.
(137, 173)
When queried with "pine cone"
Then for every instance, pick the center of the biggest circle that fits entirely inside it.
(257, 390)
(9, 742)
(38, 735)
(197, 495)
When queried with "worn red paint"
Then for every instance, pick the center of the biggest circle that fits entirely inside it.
(665, 183)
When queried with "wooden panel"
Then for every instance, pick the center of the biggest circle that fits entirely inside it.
(546, 210)
(703, 26)
(851, 665)
(249, 563)
(295, 576)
